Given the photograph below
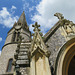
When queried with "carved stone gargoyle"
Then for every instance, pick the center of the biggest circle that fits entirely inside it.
(59, 15)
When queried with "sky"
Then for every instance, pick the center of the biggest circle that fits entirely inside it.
(41, 11)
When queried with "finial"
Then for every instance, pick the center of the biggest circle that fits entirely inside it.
(59, 15)
(36, 27)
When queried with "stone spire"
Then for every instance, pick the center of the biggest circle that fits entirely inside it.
(22, 21)
(22, 18)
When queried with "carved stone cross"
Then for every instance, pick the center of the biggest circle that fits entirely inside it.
(36, 27)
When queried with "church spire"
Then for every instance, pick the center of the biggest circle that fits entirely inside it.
(22, 18)
(22, 21)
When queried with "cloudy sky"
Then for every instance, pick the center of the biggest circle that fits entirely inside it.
(41, 11)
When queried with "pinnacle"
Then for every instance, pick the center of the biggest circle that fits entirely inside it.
(22, 21)
(22, 18)
(36, 27)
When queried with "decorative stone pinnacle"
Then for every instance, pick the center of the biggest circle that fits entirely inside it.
(36, 27)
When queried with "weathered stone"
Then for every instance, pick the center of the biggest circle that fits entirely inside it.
(32, 54)
(12, 45)
(22, 62)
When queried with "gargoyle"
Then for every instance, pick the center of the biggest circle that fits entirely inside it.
(59, 15)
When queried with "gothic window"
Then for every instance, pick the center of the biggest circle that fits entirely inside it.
(9, 65)
(14, 36)
(18, 34)
(19, 23)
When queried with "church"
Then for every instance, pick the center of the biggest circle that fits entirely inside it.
(51, 54)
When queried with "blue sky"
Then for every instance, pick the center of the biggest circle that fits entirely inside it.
(41, 11)
(10, 11)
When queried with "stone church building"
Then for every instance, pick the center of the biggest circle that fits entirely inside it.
(51, 54)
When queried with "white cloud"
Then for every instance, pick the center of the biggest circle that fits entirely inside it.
(25, 5)
(13, 7)
(0, 39)
(47, 8)
(0, 52)
(31, 8)
(6, 18)
(31, 28)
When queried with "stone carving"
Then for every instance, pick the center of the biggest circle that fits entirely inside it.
(69, 27)
(38, 42)
(39, 54)
(59, 15)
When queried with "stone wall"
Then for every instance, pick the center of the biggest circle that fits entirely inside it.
(7, 53)
(9, 37)
(55, 42)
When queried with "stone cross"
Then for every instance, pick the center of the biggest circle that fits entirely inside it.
(36, 28)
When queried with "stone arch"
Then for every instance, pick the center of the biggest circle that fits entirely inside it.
(65, 55)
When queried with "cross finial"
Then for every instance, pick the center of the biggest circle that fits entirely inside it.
(36, 27)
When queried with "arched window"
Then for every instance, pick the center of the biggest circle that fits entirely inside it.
(18, 34)
(9, 65)
(14, 36)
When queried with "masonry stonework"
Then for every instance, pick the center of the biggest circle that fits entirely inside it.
(51, 54)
